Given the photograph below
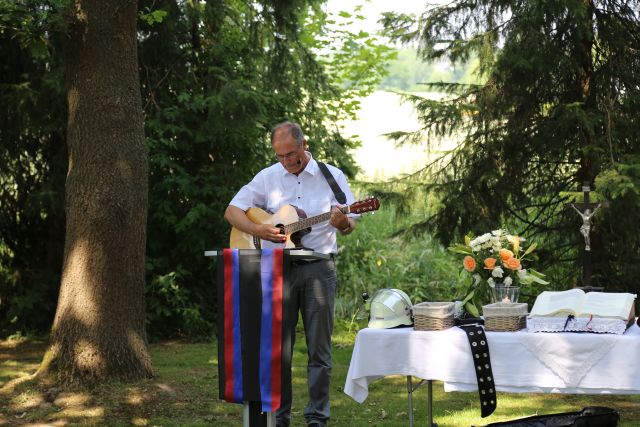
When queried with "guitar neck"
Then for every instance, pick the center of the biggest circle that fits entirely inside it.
(313, 220)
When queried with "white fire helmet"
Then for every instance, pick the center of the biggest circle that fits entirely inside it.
(390, 308)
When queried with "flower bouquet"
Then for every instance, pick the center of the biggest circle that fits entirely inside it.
(491, 259)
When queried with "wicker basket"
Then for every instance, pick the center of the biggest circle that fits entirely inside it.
(432, 316)
(505, 316)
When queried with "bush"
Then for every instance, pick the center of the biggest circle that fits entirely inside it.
(374, 258)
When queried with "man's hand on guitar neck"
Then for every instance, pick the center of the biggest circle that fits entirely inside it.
(339, 220)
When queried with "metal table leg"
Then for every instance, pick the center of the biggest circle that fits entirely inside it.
(410, 399)
(430, 404)
(410, 390)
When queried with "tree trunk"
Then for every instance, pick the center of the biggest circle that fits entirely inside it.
(99, 327)
(585, 34)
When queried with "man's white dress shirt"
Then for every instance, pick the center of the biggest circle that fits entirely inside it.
(274, 187)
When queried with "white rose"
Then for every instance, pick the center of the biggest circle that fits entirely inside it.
(477, 279)
(508, 281)
(476, 248)
(493, 241)
(491, 282)
(484, 238)
(497, 233)
(522, 273)
(497, 272)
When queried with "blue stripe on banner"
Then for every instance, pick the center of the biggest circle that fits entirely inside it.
(237, 347)
(266, 274)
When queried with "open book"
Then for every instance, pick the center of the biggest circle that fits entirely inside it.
(591, 312)
(581, 304)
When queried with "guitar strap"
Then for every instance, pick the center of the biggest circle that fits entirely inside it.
(340, 196)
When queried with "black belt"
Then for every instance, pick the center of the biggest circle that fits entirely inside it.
(482, 363)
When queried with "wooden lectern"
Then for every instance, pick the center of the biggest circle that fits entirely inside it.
(254, 328)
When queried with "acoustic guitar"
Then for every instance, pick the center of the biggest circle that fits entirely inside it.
(292, 222)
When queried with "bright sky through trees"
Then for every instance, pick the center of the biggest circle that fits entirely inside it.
(372, 10)
(381, 111)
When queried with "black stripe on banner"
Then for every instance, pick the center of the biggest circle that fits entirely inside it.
(250, 322)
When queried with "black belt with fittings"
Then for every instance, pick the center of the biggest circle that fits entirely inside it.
(482, 362)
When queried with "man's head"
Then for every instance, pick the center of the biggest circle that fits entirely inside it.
(289, 145)
(288, 128)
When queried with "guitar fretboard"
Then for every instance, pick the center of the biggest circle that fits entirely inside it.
(308, 222)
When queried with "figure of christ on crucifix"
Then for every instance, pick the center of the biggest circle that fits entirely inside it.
(586, 210)
(585, 228)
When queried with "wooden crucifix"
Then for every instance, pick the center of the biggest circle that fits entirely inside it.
(586, 210)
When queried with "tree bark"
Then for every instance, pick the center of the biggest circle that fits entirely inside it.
(99, 327)
(585, 34)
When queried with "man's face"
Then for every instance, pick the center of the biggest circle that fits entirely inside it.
(289, 153)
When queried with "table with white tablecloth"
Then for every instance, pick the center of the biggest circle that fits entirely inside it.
(522, 362)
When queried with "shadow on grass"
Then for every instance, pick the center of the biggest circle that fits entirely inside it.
(185, 393)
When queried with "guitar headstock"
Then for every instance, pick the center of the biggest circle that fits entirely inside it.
(366, 205)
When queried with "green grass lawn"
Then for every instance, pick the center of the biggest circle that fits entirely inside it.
(185, 393)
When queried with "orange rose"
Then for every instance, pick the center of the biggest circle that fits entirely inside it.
(505, 254)
(469, 263)
(512, 264)
(489, 263)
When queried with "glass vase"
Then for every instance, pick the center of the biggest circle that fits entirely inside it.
(503, 293)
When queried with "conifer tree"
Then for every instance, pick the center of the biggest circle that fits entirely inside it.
(557, 107)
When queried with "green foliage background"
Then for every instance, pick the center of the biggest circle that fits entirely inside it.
(554, 106)
(375, 256)
(215, 76)
(542, 97)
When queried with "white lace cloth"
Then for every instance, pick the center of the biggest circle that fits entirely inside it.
(577, 324)
(522, 361)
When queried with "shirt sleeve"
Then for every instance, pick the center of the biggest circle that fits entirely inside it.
(252, 194)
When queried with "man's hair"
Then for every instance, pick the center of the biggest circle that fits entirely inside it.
(289, 128)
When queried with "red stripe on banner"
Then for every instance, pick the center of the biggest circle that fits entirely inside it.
(228, 325)
(276, 331)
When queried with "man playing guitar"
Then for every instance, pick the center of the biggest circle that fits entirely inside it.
(297, 180)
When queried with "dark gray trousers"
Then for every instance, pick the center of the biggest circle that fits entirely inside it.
(313, 290)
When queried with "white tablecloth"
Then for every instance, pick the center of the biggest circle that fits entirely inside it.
(522, 362)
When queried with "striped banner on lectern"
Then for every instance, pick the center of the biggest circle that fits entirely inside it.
(254, 329)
